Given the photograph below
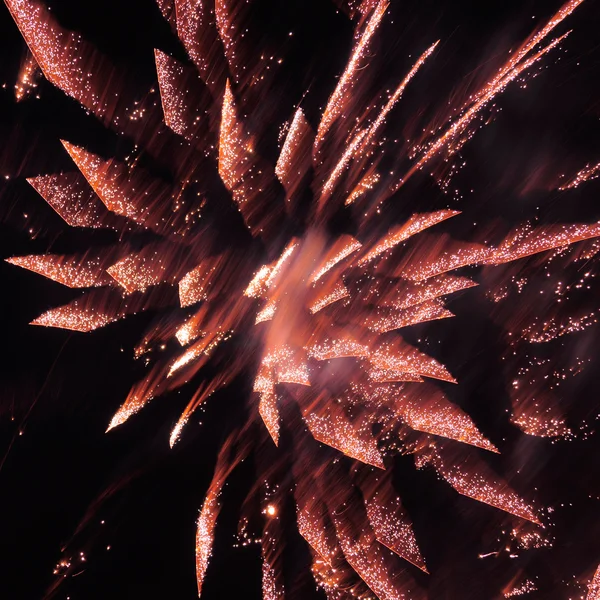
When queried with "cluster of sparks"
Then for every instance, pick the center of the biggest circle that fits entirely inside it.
(594, 587)
(28, 77)
(588, 173)
(524, 588)
(322, 311)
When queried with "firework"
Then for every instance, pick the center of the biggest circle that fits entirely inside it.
(594, 587)
(323, 318)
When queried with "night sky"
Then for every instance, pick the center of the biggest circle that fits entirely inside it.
(128, 502)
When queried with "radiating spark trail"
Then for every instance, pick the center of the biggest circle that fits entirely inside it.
(27, 79)
(175, 107)
(415, 294)
(207, 520)
(365, 185)
(71, 271)
(398, 356)
(338, 99)
(384, 321)
(228, 140)
(103, 176)
(594, 587)
(472, 480)
(73, 319)
(381, 117)
(334, 428)
(344, 246)
(429, 411)
(71, 197)
(414, 225)
(338, 292)
(339, 168)
(588, 173)
(391, 524)
(457, 128)
(204, 392)
(59, 54)
(526, 241)
(289, 155)
(527, 47)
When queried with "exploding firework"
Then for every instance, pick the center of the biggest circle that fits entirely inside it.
(321, 315)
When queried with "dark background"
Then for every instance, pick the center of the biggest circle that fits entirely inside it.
(60, 389)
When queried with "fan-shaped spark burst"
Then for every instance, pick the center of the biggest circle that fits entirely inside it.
(321, 316)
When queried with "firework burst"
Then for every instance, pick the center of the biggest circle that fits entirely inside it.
(321, 315)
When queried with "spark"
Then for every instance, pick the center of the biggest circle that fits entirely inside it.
(414, 225)
(289, 156)
(365, 185)
(174, 105)
(470, 479)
